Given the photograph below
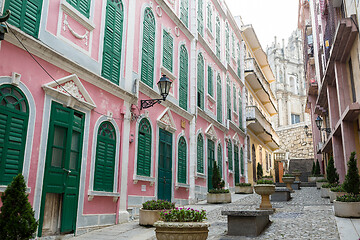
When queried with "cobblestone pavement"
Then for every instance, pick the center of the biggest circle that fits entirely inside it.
(305, 216)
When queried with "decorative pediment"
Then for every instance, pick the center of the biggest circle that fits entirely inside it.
(70, 90)
(236, 139)
(211, 133)
(166, 121)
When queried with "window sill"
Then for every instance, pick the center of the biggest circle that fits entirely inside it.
(231, 172)
(92, 194)
(211, 99)
(235, 114)
(76, 15)
(3, 188)
(209, 33)
(169, 74)
(137, 178)
(200, 175)
(182, 185)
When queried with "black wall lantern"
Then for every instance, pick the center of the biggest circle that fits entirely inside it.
(319, 122)
(3, 27)
(306, 129)
(164, 85)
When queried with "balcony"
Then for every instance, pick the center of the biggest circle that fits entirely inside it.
(261, 87)
(257, 123)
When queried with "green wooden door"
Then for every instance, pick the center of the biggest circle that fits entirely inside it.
(211, 160)
(63, 163)
(236, 164)
(165, 165)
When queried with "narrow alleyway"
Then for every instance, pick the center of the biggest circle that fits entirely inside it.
(306, 216)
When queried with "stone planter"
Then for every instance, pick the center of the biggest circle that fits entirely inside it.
(334, 195)
(181, 230)
(319, 184)
(297, 176)
(289, 181)
(325, 192)
(347, 209)
(244, 190)
(148, 217)
(219, 197)
(265, 190)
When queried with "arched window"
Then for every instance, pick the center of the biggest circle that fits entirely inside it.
(200, 18)
(219, 159)
(144, 148)
(227, 42)
(209, 16)
(182, 159)
(228, 98)
(239, 61)
(234, 97)
(183, 77)
(200, 81)
(112, 41)
(242, 164)
(218, 30)
(229, 150)
(148, 48)
(219, 99)
(105, 158)
(184, 12)
(14, 116)
(240, 111)
(200, 154)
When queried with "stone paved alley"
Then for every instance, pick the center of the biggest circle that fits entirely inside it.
(305, 216)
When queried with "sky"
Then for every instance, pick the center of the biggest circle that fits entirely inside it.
(268, 17)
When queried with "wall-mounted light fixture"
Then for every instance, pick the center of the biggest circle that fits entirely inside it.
(3, 27)
(164, 85)
(319, 122)
(306, 129)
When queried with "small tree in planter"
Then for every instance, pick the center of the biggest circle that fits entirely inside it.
(218, 194)
(259, 171)
(17, 219)
(352, 181)
(317, 168)
(313, 169)
(331, 174)
(217, 182)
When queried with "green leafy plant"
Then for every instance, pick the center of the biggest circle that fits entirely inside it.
(17, 219)
(348, 198)
(183, 215)
(352, 181)
(217, 182)
(288, 175)
(264, 181)
(329, 185)
(317, 168)
(243, 184)
(331, 175)
(219, 190)
(338, 188)
(322, 180)
(259, 171)
(313, 169)
(158, 205)
(268, 176)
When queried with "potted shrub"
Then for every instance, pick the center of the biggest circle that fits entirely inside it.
(315, 173)
(297, 175)
(320, 182)
(243, 188)
(150, 211)
(265, 188)
(336, 192)
(17, 219)
(218, 194)
(348, 205)
(288, 179)
(182, 223)
(259, 171)
(325, 189)
(269, 177)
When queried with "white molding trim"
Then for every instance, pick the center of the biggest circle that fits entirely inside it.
(166, 121)
(76, 15)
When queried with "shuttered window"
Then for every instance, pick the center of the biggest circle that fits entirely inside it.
(242, 164)
(200, 154)
(25, 15)
(233, 45)
(230, 158)
(14, 115)
(219, 159)
(240, 111)
(236, 164)
(112, 41)
(209, 16)
(184, 12)
(167, 51)
(183, 77)
(105, 158)
(234, 98)
(182, 159)
(148, 48)
(210, 82)
(144, 148)
(200, 81)
(83, 6)
(228, 98)
(200, 18)
(217, 37)
(227, 43)
(219, 99)
(238, 62)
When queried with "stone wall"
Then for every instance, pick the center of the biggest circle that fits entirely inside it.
(303, 165)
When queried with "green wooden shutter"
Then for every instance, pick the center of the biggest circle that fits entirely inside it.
(219, 159)
(83, 6)
(238, 62)
(112, 42)
(184, 12)
(200, 154)
(200, 18)
(209, 17)
(144, 148)
(227, 43)
(182, 150)
(25, 15)
(233, 45)
(210, 82)
(200, 82)
(219, 99)
(228, 99)
(14, 115)
(240, 111)
(218, 37)
(148, 48)
(242, 161)
(183, 77)
(230, 158)
(105, 158)
(236, 164)
(167, 51)
(234, 97)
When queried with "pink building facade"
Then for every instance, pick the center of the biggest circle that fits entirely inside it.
(70, 115)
